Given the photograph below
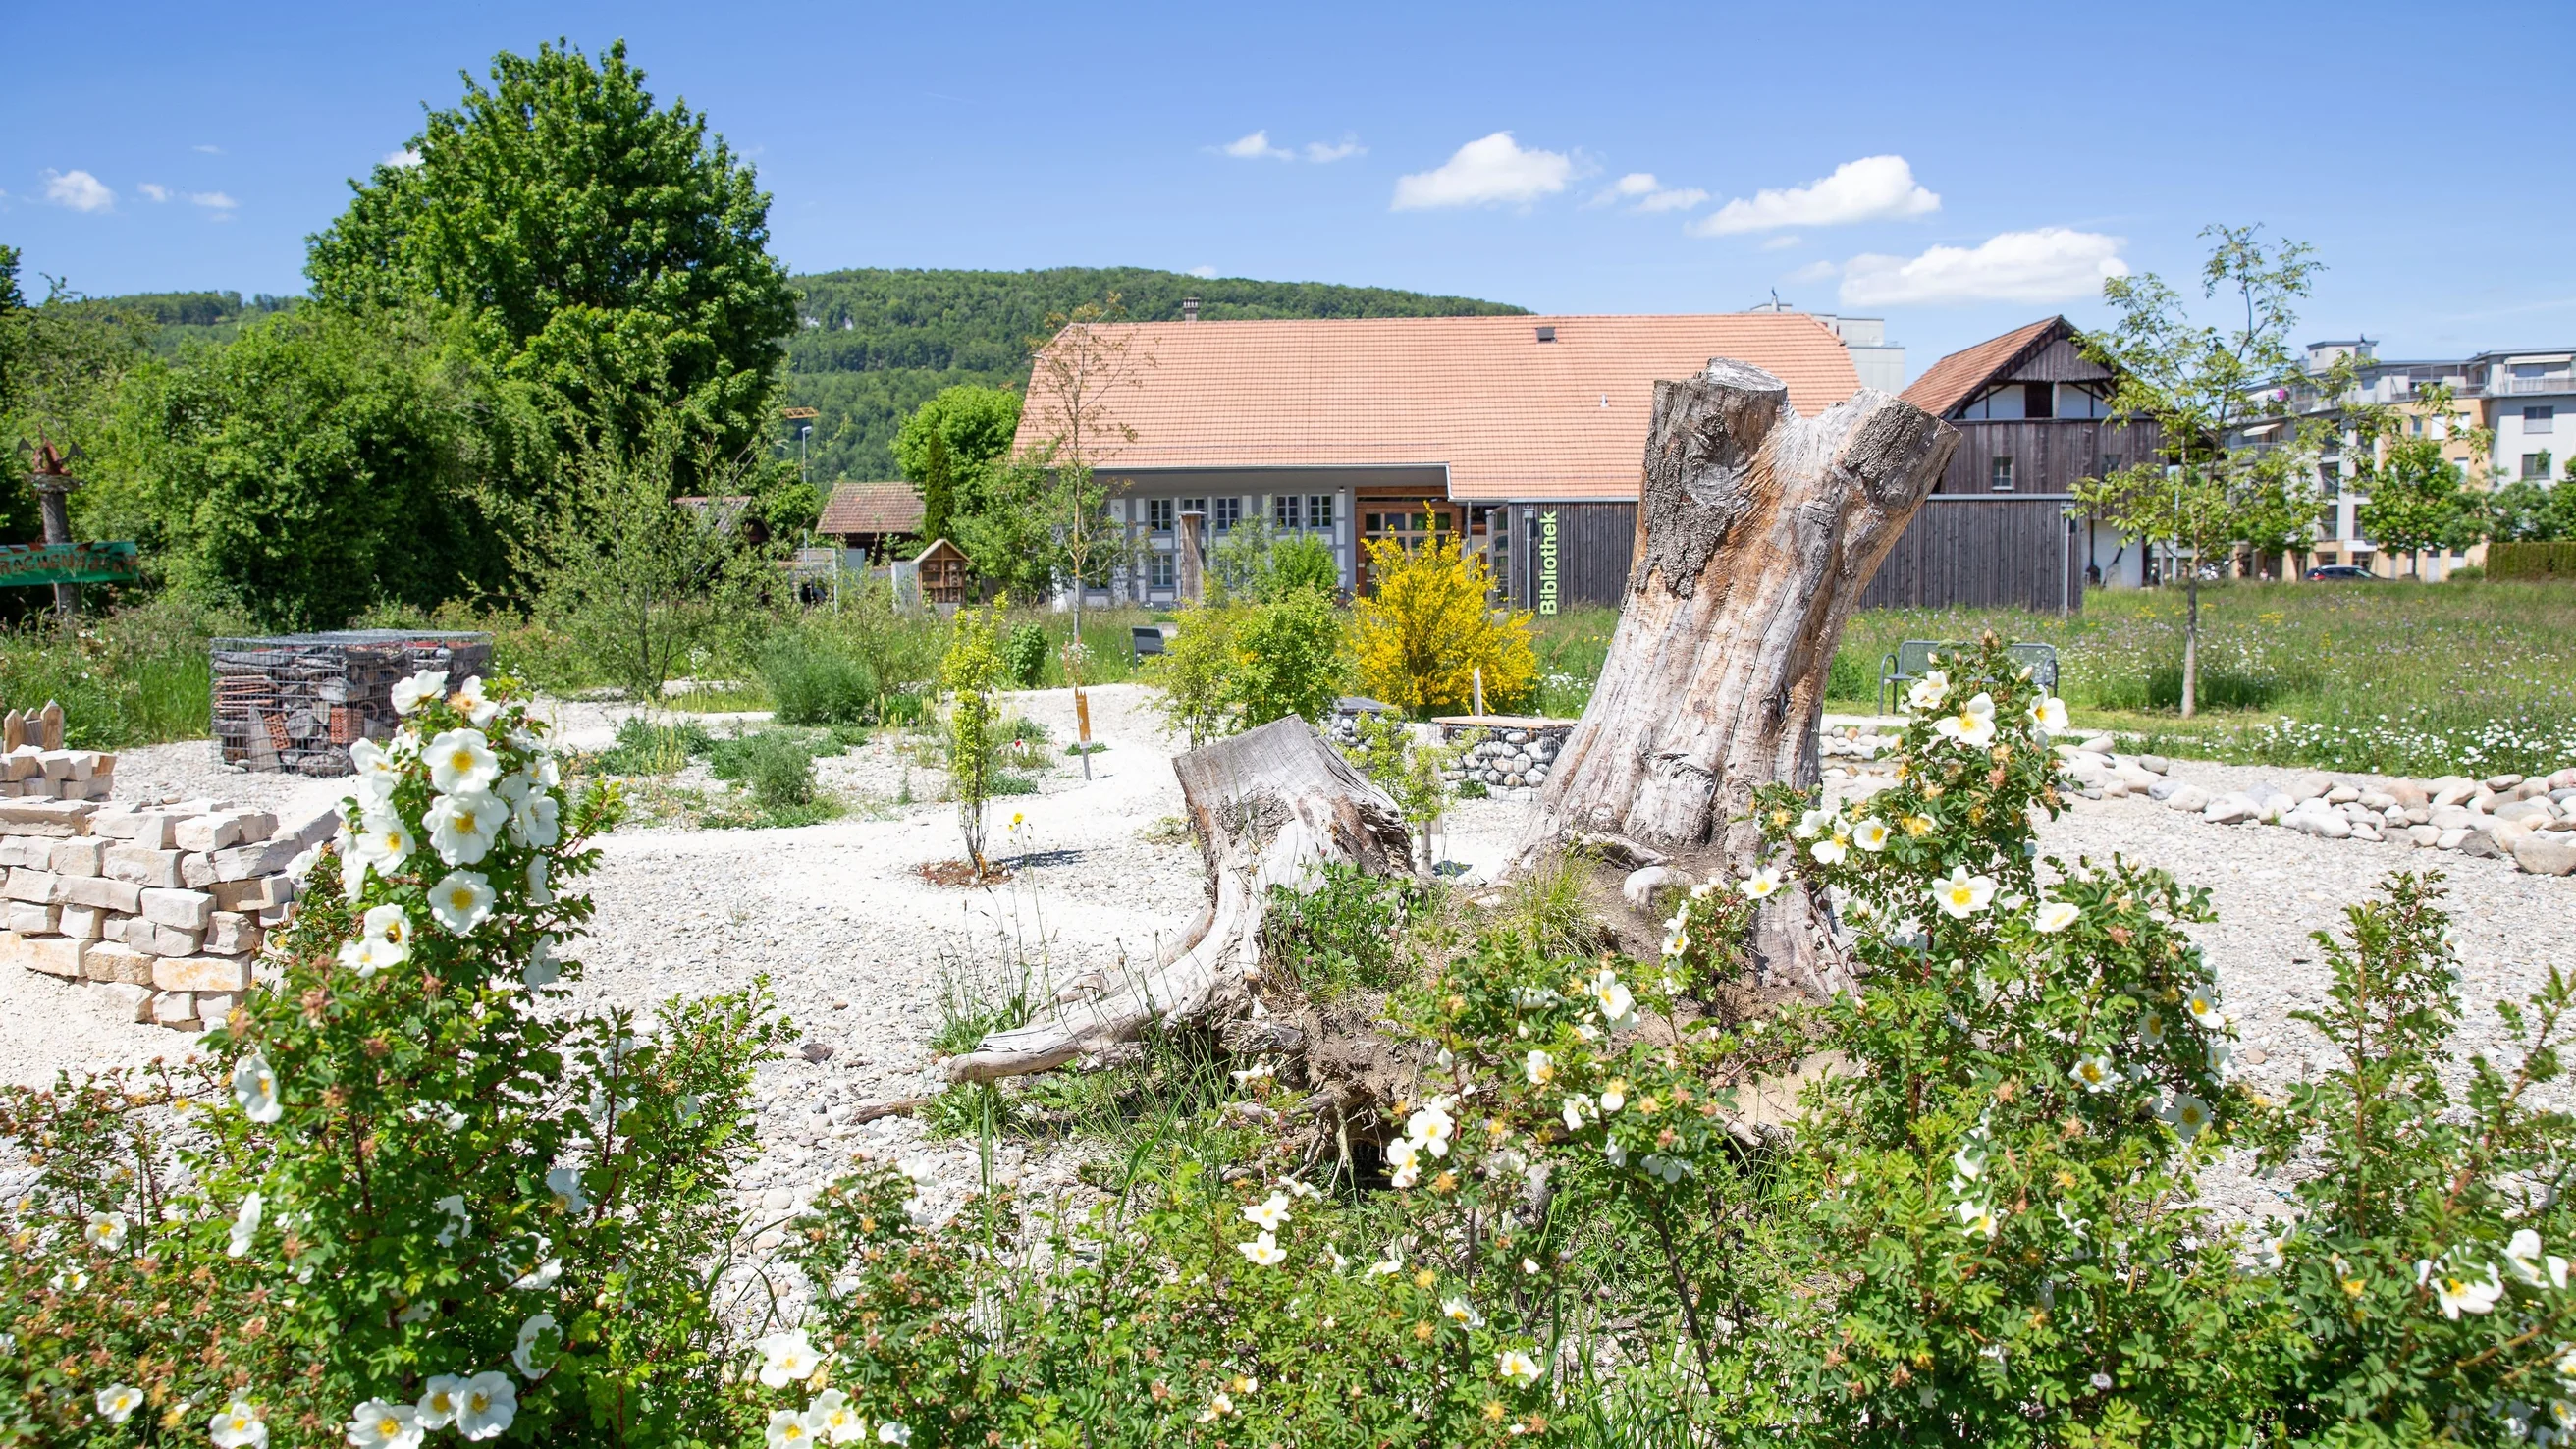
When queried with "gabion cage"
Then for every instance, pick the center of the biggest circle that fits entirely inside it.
(296, 702)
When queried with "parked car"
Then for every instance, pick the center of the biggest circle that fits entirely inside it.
(2324, 572)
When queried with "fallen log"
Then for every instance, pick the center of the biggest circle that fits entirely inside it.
(1757, 531)
(1268, 807)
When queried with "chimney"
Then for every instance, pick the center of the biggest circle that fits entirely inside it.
(1189, 309)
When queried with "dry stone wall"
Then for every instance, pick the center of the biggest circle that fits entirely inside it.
(165, 903)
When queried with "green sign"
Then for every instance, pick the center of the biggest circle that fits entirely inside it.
(67, 563)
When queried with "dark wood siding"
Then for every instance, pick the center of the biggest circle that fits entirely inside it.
(2059, 361)
(2049, 456)
(1594, 545)
(1983, 553)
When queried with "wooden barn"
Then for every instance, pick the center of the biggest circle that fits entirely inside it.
(2000, 530)
(870, 517)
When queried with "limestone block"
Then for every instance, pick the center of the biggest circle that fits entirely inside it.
(79, 855)
(29, 920)
(39, 887)
(81, 923)
(143, 865)
(137, 999)
(149, 829)
(201, 973)
(256, 894)
(57, 765)
(53, 955)
(46, 817)
(19, 763)
(188, 910)
(174, 1008)
(165, 940)
(207, 833)
(213, 1006)
(112, 961)
(39, 787)
(230, 933)
(243, 862)
(196, 870)
(105, 893)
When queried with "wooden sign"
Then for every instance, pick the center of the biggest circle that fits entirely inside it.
(67, 563)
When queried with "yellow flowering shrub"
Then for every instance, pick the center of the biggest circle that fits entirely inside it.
(1424, 629)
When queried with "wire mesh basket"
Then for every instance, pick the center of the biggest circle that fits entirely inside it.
(296, 702)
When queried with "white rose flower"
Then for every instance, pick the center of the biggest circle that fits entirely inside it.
(1830, 851)
(1871, 834)
(380, 1425)
(1929, 691)
(2048, 713)
(2096, 1072)
(2457, 1293)
(540, 1341)
(834, 1420)
(463, 826)
(2055, 916)
(1539, 1067)
(1963, 895)
(896, 1434)
(119, 1401)
(787, 1358)
(1812, 823)
(411, 693)
(1267, 1215)
(255, 1087)
(384, 940)
(485, 1405)
(245, 1225)
(1516, 1367)
(1972, 726)
(461, 902)
(1761, 885)
(789, 1429)
(1263, 1250)
(237, 1426)
(468, 701)
(1432, 1127)
(383, 841)
(563, 1191)
(104, 1231)
(1977, 1220)
(2202, 1003)
(379, 771)
(2186, 1114)
(462, 762)
(535, 823)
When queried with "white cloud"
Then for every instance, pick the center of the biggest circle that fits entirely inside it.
(153, 191)
(1779, 243)
(1257, 147)
(209, 150)
(213, 200)
(403, 158)
(78, 190)
(2052, 264)
(1813, 272)
(1649, 194)
(1202, 271)
(1323, 155)
(1484, 172)
(1873, 188)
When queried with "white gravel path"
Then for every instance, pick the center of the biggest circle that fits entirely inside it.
(857, 945)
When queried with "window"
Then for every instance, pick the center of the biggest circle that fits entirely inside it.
(1158, 570)
(1283, 510)
(2108, 465)
(1319, 510)
(1195, 505)
(2038, 400)
(1158, 514)
(1229, 512)
(1999, 475)
(2538, 420)
(2536, 465)
(2329, 479)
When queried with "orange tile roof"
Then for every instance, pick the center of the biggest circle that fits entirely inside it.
(1511, 417)
(871, 508)
(1949, 382)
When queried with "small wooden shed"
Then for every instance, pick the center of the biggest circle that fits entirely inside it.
(941, 570)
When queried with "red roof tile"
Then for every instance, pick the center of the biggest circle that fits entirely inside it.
(1951, 381)
(871, 508)
(1510, 416)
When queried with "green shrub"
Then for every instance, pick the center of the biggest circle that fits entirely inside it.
(1024, 654)
(775, 766)
(646, 748)
(811, 683)
(1342, 931)
(410, 1156)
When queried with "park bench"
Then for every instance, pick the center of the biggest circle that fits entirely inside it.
(1144, 639)
(1914, 656)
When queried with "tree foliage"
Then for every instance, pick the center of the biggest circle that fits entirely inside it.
(607, 257)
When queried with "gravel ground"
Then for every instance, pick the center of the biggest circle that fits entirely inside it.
(859, 948)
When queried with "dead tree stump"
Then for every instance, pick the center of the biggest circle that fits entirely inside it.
(1757, 532)
(1268, 806)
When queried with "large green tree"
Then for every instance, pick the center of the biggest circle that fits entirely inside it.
(2416, 497)
(61, 364)
(603, 255)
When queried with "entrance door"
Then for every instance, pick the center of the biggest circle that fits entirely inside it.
(1411, 522)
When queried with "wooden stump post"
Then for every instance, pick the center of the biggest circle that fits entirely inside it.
(1757, 532)
(1268, 806)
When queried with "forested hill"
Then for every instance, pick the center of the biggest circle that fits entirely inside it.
(877, 342)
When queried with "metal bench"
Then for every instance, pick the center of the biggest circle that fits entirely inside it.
(1144, 639)
(1914, 656)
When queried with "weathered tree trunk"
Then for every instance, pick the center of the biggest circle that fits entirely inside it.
(1268, 806)
(1757, 533)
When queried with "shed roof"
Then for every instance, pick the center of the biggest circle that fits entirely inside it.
(1956, 378)
(871, 508)
(1510, 416)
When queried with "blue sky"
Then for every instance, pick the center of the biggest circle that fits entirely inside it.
(1957, 169)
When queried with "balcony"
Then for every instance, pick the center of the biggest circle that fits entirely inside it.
(2548, 382)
